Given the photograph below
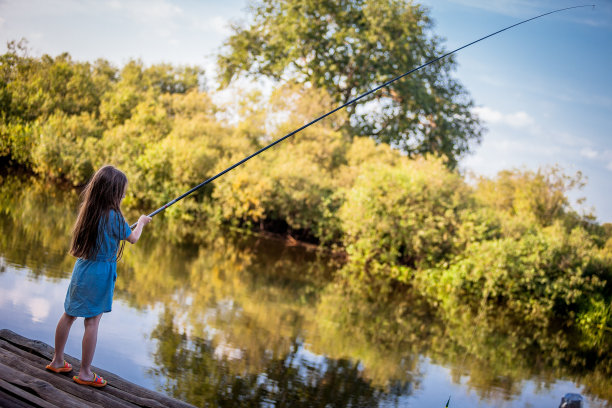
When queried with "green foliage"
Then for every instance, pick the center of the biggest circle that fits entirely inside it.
(65, 146)
(404, 215)
(546, 273)
(37, 87)
(540, 196)
(347, 48)
(595, 322)
(16, 140)
(406, 223)
(299, 192)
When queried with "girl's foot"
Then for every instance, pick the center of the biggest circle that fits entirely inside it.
(59, 368)
(94, 381)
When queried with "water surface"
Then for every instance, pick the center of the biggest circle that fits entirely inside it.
(240, 320)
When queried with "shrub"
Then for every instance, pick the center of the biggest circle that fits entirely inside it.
(407, 214)
(544, 274)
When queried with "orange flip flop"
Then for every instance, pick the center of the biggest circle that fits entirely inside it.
(65, 369)
(97, 381)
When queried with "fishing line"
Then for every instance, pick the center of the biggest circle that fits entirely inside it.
(352, 101)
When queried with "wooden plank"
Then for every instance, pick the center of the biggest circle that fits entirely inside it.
(94, 397)
(134, 399)
(135, 393)
(9, 401)
(32, 399)
(33, 358)
(42, 388)
(61, 383)
(37, 361)
(33, 346)
(40, 362)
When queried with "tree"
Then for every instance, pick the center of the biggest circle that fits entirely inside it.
(348, 47)
(40, 98)
(541, 195)
(32, 88)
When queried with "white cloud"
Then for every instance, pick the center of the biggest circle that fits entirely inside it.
(588, 153)
(35, 36)
(487, 114)
(164, 33)
(115, 4)
(152, 18)
(217, 24)
(518, 119)
(609, 166)
(39, 309)
(158, 12)
(32, 296)
(220, 25)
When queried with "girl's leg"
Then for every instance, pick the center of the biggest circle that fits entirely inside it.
(89, 346)
(61, 336)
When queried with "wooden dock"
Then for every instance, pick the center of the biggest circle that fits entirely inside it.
(24, 382)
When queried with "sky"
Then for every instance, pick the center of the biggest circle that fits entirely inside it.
(543, 89)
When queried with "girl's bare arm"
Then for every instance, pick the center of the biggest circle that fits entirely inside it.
(135, 235)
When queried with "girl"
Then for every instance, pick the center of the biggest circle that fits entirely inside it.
(96, 237)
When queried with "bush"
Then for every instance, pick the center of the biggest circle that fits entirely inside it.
(407, 214)
(66, 147)
(540, 196)
(544, 274)
(292, 185)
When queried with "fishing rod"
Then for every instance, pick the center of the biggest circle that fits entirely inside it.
(352, 101)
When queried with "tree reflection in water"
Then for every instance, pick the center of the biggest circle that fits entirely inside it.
(249, 321)
(195, 370)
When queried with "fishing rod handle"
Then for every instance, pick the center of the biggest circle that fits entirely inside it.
(160, 209)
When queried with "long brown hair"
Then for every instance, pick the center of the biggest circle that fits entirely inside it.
(102, 193)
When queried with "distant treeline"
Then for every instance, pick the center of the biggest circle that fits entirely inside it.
(405, 220)
(272, 302)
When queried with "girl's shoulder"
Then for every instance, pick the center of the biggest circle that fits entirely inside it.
(112, 213)
(115, 217)
(118, 225)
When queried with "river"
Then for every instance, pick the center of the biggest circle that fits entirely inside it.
(233, 319)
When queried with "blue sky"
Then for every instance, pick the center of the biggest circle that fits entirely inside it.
(543, 89)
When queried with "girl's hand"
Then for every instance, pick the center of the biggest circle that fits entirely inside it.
(135, 235)
(144, 220)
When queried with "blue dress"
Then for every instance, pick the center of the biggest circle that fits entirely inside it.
(93, 280)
